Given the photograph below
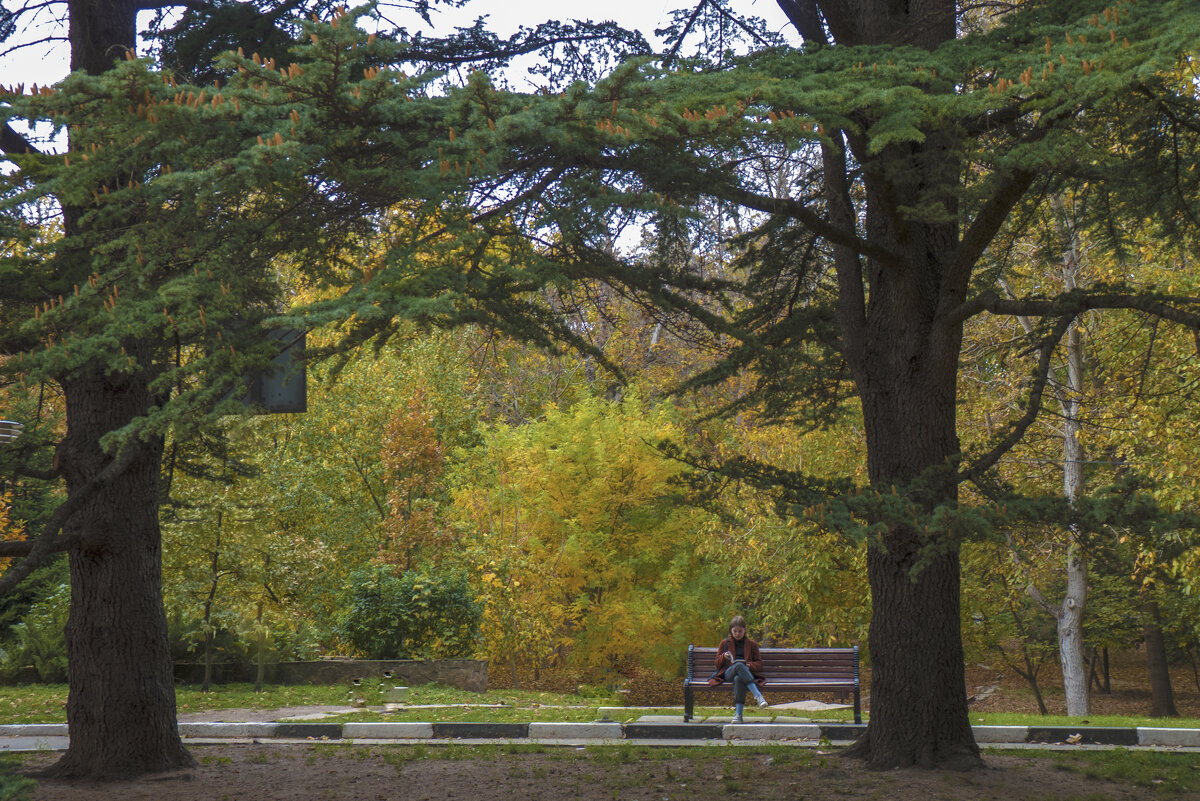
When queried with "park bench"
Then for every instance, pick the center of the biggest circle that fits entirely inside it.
(786, 670)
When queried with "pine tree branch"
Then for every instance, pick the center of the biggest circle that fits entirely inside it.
(994, 119)
(533, 45)
(1017, 429)
(809, 219)
(191, 5)
(805, 16)
(986, 224)
(852, 302)
(19, 548)
(41, 475)
(15, 143)
(1076, 302)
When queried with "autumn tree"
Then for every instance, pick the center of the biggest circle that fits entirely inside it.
(149, 308)
(413, 461)
(860, 275)
(1112, 371)
(917, 145)
(584, 553)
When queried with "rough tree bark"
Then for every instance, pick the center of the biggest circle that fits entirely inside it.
(121, 704)
(905, 365)
(904, 358)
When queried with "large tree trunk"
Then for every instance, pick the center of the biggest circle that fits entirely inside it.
(904, 359)
(121, 703)
(121, 706)
(919, 713)
(906, 371)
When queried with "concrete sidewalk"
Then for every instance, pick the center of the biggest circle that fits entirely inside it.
(649, 729)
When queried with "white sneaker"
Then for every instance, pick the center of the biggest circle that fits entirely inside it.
(737, 719)
(762, 701)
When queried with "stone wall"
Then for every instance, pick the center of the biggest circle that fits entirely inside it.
(465, 674)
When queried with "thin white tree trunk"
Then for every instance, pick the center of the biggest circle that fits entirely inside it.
(1070, 614)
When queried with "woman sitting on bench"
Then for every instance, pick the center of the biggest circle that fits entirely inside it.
(739, 661)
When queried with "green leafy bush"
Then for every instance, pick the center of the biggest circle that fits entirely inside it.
(410, 615)
(38, 640)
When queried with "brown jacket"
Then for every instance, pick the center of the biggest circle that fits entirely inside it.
(753, 661)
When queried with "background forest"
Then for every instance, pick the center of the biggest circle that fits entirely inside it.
(463, 494)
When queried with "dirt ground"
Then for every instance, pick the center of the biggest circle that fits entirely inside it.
(263, 772)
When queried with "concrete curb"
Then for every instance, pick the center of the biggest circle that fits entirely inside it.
(481, 731)
(1169, 737)
(222, 729)
(388, 731)
(33, 730)
(771, 731)
(655, 732)
(600, 730)
(1000, 734)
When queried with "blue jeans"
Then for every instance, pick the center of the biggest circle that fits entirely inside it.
(742, 679)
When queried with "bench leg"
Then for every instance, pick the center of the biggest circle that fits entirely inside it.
(857, 707)
(688, 701)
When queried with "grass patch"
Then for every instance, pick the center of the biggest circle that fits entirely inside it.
(189, 698)
(46, 703)
(1171, 773)
(13, 787)
(33, 703)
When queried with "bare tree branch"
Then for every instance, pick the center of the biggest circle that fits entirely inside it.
(44, 40)
(732, 18)
(670, 56)
(788, 207)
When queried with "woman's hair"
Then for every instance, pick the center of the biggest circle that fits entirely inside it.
(737, 622)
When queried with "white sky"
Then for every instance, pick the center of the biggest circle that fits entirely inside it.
(43, 64)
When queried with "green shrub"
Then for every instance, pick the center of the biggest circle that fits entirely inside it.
(410, 615)
(39, 639)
